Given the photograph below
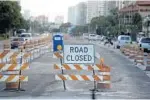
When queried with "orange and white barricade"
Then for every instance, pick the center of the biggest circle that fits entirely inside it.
(103, 77)
(83, 77)
(12, 67)
(57, 55)
(147, 63)
(13, 78)
(127, 51)
(11, 75)
(139, 58)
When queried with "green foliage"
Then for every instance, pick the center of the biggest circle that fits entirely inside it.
(80, 29)
(137, 21)
(9, 15)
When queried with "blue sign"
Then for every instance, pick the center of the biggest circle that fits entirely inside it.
(57, 43)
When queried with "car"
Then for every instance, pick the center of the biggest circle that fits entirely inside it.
(26, 36)
(85, 35)
(17, 41)
(92, 37)
(123, 40)
(144, 43)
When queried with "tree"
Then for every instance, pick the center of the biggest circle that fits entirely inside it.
(99, 23)
(9, 15)
(137, 21)
(64, 27)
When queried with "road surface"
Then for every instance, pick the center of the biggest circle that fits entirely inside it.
(128, 81)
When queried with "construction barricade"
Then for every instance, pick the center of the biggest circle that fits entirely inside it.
(148, 63)
(102, 78)
(139, 58)
(11, 73)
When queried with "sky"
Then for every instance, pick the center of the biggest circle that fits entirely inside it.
(50, 8)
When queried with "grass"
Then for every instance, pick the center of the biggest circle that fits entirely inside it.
(2, 38)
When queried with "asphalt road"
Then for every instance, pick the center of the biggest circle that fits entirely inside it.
(128, 81)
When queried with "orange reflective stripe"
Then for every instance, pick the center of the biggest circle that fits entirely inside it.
(56, 67)
(1, 76)
(66, 67)
(12, 67)
(22, 78)
(1, 66)
(58, 54)
(96, 78)
(77, 67)
(10, 78)
(90, 67)
(85, 77)
(24, 66)
(106, 77)
(62, 77)
(73, 77)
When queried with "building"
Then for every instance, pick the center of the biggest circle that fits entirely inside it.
(71, 15)
(108, 5)
(80, 13)
(92, 10)
(126, 13)
(42, 19)
(59, 20)
(101, 8)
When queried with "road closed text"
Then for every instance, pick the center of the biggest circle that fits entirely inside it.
(78, 54)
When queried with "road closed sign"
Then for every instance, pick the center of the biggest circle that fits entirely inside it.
(79, 54)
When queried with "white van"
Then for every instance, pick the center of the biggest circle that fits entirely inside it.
(123, 40)
(26, 36)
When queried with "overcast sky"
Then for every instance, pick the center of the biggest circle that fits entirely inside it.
(50, 8)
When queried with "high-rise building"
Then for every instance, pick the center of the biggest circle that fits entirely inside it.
(71, 15)
(80, 13)
(92, 10)
(42, 19)
(59, 20)
(101, 8)
(109, 5)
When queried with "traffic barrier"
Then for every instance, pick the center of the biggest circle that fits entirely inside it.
(57, 55)
(12, 67)
(133, 53)
(103, 78)
(139, 59)
(11, 75)
(127, 51)
(83, 77)
(13, 78)
(148, 63)
(82, 67)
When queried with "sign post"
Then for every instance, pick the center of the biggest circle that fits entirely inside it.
(80, 54)
(58, 47)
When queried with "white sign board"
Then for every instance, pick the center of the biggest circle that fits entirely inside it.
(79, 54)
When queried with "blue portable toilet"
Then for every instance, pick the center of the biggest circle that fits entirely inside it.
(57, 43)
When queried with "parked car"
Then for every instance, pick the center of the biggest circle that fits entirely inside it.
(144, 43)
(85, 35)
(26, 36)
(123, 40)
(17, 41)
(92, 37)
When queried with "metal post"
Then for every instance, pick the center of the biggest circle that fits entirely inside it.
(19, 86)
(94, 90)
(94, 79)
(62, 74)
